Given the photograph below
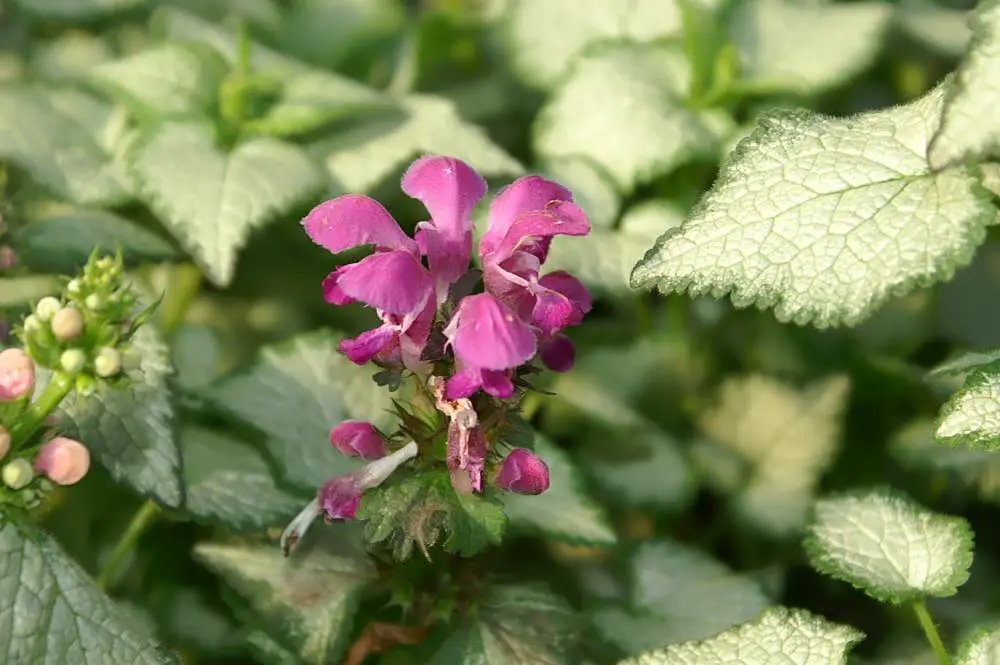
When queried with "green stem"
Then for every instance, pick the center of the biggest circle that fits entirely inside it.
(931, 631)
(141, 521)
(58, 387)
(184, 286)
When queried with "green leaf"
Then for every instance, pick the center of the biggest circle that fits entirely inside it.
(269, 652)
(824, 219)
(169, 79)
(969, 129)
(130, 430)
(227, 482)
(971, 417)
(63, 242)
(980, 648)
(916, 447)
(54, 609)
(365, 156)
(20, 290)
(623, 106)
(512, 625)
(564, 511)
(963, 362)
(786, 436)
(604, 258)
(68, 57)
(679, 594)
(77, 9)
(779, 636)
(195, 352)
(311, 99)
(941, 29)
(52, 135)
(211, 200)
(307, 600)
(294, 393)
(419, 509)
(807, 47)
(890, 547)
(542, 56)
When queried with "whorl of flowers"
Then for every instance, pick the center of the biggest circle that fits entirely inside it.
(470, 350)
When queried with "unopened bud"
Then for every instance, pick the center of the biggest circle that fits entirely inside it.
(73, 286)
(17, 474)
(17, 375)
(32, 324)
(4, 441)
(67, 324)
(65, 461)
(46, 308)
(86, 385)
(523, 472)
(72, 360)
(358, 438)
(108, 362)
(94, 302)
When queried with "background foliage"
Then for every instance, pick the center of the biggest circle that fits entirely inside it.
(691, 441)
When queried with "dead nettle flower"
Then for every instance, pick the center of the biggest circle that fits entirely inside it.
(17, 375)
(339, 497)
(489, 338)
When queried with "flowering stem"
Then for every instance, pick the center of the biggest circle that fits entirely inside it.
(931, 631)
(141, 521)
(58, 388)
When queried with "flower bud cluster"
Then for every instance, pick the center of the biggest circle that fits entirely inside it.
(81, 332)
(61, 460)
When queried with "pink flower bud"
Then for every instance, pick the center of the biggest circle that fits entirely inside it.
(523, 472)
(63, 460)
(358, 438)
(17, 374)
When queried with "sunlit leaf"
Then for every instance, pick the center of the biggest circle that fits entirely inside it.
(623, 107)
(787, 437)
(980, 648)
(969, 128)
(212, 200)
(890, 547)
(778, 637)
(826, 218)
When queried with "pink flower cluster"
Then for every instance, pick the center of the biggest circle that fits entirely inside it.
(520, 315)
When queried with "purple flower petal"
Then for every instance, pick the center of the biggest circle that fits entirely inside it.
(368, 344)
(393, 282)
(358, 438)
(449, 189)
(486, 334)
(552, 312)
(464, 383)
(572, 288)
(524, 195)
(353, 220)
(339, 498)
(497, 383)
(523, 472)
(558, 353)
(560, 218)
(466, 453)
(332, 292)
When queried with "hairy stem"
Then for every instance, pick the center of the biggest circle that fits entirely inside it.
(141, 521)
(58, 388)
(931, 631)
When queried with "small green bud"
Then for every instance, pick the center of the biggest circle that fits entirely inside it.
(94, 302)
(85, 385)
(46, 308)
(73, 286)
(108, 362)
(32, 324)
(17, 474)
(67, 324)
(72, 360)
